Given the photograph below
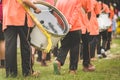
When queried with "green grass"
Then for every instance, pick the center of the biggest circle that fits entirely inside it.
(106, 69)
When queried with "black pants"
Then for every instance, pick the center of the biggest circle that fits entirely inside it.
(93, 45)
(109, 39)
(39, 58)
(86, 54)
(102, 41)
(11, 34)
(55, 51)
(70, 43)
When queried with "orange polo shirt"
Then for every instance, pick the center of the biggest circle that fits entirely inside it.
(14, 14)
(94, 29)
(111, 17)
(71, 10)
(50, 1)
(87, 6)
(105, 7)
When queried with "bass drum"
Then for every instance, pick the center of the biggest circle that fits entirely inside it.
(53, 22)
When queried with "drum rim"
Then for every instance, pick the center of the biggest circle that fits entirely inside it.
(59, 13)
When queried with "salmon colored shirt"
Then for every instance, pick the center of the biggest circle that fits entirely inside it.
(94, 29)
(14, 14)
(111, 17)
(50, 1)
(105, 8)
(71, 10)
(87, 5)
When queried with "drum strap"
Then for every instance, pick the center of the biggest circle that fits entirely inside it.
(39, 25)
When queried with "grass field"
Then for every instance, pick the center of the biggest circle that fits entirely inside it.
(106, 69)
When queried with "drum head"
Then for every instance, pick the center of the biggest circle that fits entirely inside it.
(51, 19)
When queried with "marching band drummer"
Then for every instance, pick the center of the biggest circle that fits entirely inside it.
(109, 35)
(94, 30)
(16, 22)
(87, 7)
(71, 10)
(103, 34)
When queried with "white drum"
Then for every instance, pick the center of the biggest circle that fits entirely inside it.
(53, 22)
(104, 21)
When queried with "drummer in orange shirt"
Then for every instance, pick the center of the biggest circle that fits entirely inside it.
(102, 34)
(71, 10)
(109, 35)
(16, 22)
(86, 16)
(94, 29)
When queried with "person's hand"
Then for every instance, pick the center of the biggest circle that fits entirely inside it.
(37, 10)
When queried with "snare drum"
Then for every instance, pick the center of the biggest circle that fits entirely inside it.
(53, 22)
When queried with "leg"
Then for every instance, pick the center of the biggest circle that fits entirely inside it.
(87, 66)
(104, 43)
(39, 58)
(2, 48)
(99, 46)
(26, 51)
(43, 61)
(86, 55)
(74, 51)
(55, 51)
(2, 53)
(48, 56)
(92, 44)
(33, 54)
(10, 35)
(109, 40)
(60, 58)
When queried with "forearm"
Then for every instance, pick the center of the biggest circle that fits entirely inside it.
(30, 4)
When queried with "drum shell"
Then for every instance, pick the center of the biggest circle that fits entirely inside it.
(104, 21)
(39, 40)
